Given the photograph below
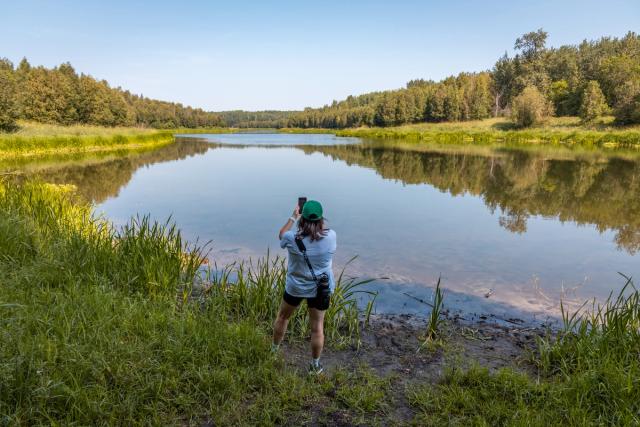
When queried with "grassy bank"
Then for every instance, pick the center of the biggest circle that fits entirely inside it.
(587, 374)
(99, 325)
(557, 131)
(37, 139)
(117, 326)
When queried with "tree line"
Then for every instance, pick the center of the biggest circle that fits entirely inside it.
(62, 96)
(591, 79)
(256, 119)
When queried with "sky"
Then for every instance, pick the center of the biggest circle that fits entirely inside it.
(259, 55)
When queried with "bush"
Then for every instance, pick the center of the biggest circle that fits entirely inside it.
(8, 111)
(594, 103)
(627, 109)
(530, 107)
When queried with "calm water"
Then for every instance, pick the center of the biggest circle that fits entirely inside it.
(510, 232)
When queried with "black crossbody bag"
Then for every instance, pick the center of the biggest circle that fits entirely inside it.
(322, 282)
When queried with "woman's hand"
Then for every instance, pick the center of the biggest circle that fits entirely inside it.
(296, 212)
(294, 217)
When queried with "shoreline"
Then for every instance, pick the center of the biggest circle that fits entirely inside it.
(105, 324)
(392, 350)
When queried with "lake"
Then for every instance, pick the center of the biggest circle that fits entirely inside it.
(510, 231)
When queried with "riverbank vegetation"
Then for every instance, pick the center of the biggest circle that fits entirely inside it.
(37, 140)
(588, 375)
(561, 131)
(105, 325)
(41, 139)
(100, 324)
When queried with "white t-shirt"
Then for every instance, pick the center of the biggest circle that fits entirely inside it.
(320, 252)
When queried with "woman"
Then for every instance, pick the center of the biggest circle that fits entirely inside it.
(320, 245)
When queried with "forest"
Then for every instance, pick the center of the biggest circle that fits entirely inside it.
(256, 119)
(62, 96)
(592, 79)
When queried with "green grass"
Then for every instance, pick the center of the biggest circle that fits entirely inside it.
(435, 320)
(14, 145)
(38, 139)
(98, 325)
(565, 131)
(253, 290)
(589, 374)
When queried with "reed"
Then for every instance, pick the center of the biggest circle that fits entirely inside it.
(435, 319)
(253, 290)
(588, 375)
(604, 139)
(17, 145)
(100, 325)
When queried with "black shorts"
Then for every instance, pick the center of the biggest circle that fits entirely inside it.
(312, 302)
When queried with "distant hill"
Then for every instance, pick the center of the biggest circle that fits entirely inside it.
(256, 119)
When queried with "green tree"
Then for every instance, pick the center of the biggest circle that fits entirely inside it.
(385, 111)
(594, 103)
(42, 96)
(532, 44)
(8, 107)
(560, 96)
(530, 107)
(627, 109)
(503, 80)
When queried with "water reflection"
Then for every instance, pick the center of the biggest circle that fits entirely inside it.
(101, 176)
(430, 211)
(586, 190)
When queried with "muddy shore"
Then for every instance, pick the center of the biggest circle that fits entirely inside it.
(393, 347)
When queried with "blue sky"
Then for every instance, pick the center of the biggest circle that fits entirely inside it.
(288, 54)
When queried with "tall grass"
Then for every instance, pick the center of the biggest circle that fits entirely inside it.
(38, 139)
(92, 331)
(597, 354)
(589, 374)
(481, 135)
(435, 316)
(253, 290)
(47, 223)
(17, 145)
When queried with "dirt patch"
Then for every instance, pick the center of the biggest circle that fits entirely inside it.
(393, 346)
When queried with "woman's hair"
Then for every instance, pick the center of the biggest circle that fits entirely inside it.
(314, 229)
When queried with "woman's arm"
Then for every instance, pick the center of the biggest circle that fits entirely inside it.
(290, 222)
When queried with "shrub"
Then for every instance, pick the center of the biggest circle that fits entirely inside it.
(627, 108)
(530, 107)
(594, 103)
(8, 111)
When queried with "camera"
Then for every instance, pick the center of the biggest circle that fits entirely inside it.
(323, 292)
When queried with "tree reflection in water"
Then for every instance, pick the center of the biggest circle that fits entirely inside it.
(586, 189)
(99, 177)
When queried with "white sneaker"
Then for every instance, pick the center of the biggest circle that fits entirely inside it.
(315, 369)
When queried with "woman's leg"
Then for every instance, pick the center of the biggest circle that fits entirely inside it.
(282, 320)
(316, 319)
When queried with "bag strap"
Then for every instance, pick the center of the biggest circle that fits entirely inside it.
(303, 249)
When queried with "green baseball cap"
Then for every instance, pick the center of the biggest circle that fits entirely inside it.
(312, 210)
